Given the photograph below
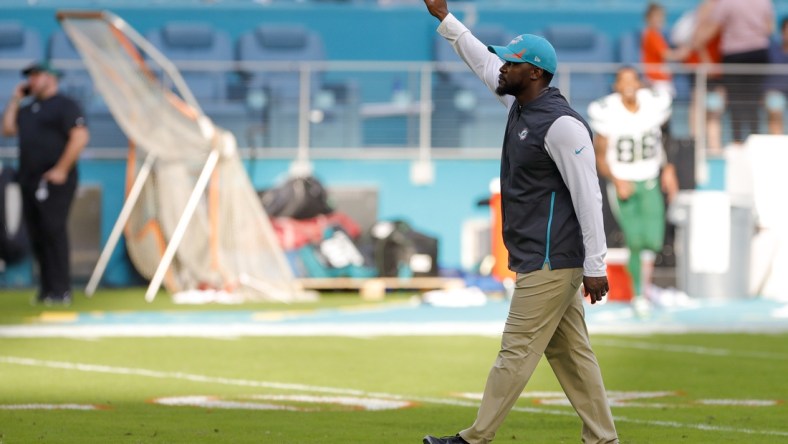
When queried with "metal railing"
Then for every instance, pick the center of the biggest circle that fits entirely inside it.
(374, 109)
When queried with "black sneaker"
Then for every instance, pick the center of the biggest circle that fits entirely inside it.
(38, 298)
(63, 299)
(456, 439)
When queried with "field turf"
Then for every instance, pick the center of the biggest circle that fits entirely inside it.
(693, 388)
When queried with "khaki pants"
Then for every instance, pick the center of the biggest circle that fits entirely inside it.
(546, 316)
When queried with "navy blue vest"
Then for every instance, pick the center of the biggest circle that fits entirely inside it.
(539, 222)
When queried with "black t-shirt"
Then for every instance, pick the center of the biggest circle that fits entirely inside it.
(44, 127)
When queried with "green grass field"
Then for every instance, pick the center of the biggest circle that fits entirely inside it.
(725, 388)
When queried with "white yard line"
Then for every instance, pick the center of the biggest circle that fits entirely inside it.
(340, 329)
(96, 368)
(235, 330)
(691, 349)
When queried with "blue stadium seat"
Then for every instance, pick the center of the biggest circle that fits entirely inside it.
(489, 34)
(75, 82)
(582, 43)
(181, 42)
(476, 111)
(202, 42)
(629, 47)
(280, 43)
(273, 95)
(21, 45)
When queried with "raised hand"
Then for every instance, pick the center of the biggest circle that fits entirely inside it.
(437, 8)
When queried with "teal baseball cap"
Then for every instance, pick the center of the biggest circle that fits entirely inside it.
(528, 48)
(42, 66)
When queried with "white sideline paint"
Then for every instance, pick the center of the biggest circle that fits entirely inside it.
(96, 368)
(50, 407)
(740, 402)
(252, 330)
(624, 399)
(276, 402)
(356, 330)
(691, 349)
(212, 402)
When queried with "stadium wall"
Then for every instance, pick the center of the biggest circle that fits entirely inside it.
(438, 209)
(350, 32)
(357, 32)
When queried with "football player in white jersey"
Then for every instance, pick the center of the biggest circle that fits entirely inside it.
(631, 157)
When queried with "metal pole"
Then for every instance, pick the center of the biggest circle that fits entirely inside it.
(565, 84)
(183, 223)
(425, 113)
(701, 170)
(304, 105)
(120, 223)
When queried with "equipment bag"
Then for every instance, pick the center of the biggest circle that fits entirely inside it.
(297, 198)
(400, 251)
(334, 256)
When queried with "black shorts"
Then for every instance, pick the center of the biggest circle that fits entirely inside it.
(711, 82)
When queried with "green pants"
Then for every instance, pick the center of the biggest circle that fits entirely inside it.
(642, 220)
(546, 317)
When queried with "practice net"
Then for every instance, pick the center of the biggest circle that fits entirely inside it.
(192, 219)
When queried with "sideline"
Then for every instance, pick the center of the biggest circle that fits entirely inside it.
(399, 318)
(691, 349)
(96, 368)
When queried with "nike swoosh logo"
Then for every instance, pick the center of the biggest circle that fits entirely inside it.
(580, 150)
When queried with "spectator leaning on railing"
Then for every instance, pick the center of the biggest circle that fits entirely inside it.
(777, 84)
(746, 27)
(715, 91)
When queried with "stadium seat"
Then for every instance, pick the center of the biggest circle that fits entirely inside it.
(582, 44)
(202, 42)
(487, 34)
(272, 95)
(22, 46)
(189, 42)
(75, 82)
(280, 43)
(475, 110)
(629, 47)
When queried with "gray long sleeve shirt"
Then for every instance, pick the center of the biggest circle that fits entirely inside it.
(568, 144)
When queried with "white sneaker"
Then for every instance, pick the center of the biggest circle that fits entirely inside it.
(641, 306)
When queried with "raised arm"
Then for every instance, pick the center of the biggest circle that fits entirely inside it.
(12, 108)
(706, 26)
(473, 52)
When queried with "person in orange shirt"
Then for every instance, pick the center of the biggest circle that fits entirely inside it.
(745, 29)
(656, 51)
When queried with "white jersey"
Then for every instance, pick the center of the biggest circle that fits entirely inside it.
(634, 139)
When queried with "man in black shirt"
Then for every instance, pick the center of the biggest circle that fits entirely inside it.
(52, 134)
